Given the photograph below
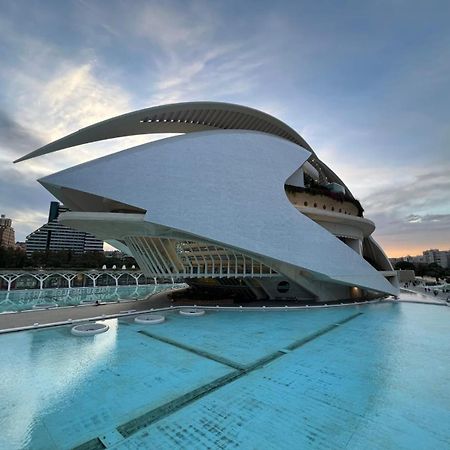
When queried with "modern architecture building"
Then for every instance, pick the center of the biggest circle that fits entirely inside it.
(7, 235)
(237, 204)
(54, 236)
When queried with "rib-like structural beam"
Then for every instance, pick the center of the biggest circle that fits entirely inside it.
(225, 188)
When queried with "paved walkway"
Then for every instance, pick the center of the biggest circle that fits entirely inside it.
(416, 294)
(440, 295)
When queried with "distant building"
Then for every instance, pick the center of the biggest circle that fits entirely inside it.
(434, 255)
(21, 246)
(54, 236)
(419, 259)
(7, 235)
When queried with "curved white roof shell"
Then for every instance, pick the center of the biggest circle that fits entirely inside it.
(176, 118)
(186, 117)
(233, 196)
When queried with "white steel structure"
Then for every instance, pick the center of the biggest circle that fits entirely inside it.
(239, 203)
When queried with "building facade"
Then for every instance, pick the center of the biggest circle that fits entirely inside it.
(54, 236)
(434, 255)
(7, 234)
(239, 204)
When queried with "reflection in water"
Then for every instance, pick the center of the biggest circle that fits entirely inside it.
(50, 365)
(24, 300)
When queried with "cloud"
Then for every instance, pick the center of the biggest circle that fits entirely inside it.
(410, 207)
(413, 218)
(441, 220)
(420, 191)
(172, 27)
(415, 223)
(55, 95)
(25, 203)
(28, 220)
(373, 105)
(398, 195)
(65, 100)
(411, 234)
(195, 62)
(70, 97)
(181, 52)
(16, 137)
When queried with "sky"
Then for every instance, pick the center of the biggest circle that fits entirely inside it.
(366, 84)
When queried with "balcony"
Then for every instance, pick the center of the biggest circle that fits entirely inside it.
(320, 197)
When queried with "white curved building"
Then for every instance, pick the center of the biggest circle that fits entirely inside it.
(238, 203)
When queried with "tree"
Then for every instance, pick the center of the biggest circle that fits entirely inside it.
(435, 270)
(12, 258)
(404, 265)
(15, 258)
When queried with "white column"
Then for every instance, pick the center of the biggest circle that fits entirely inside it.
(136, 278)
(93, 277)
(10, 279)
(41, 278)
(69, 277)
(116, 277)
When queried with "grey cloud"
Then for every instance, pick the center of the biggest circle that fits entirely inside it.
(426, 222)
(12, 176)
(26, 205)
(429, 188)
(404, 213)
(16, 137)
(413, 218)
(430, 225)
(441, 219)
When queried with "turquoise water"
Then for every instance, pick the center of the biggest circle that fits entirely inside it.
(374, 376)
(29, 299)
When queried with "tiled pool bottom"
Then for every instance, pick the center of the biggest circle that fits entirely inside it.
(372, 376)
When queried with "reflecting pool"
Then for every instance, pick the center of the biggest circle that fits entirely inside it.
(373, 376)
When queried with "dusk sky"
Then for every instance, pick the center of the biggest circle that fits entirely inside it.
(367, 84)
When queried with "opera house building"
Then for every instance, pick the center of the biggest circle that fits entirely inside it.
(237, 204)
